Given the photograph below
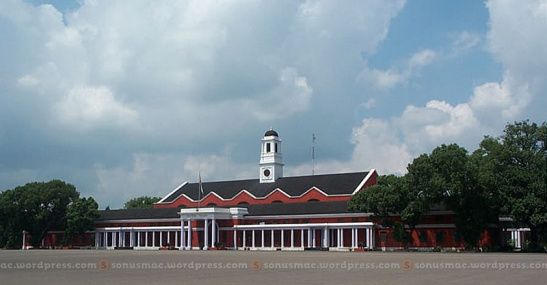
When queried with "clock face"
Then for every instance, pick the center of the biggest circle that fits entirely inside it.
(267, 172)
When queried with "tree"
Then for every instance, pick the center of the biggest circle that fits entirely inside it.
(448, 178)
(391, 196)
(382, 200)
(37, 208)
(518, 160)
(81, 216)
(141, 202)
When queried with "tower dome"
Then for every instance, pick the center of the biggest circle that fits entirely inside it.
(271, 132)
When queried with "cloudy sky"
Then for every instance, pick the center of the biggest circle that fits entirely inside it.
(129, 98)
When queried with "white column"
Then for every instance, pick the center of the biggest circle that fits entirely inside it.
(367, 235)
(356, 237)
(244, 238)
(213, 233)
(235, 238)
(282, 238)
(206, 234)
(161, 238)
(105, 239)
(131, 237)
(313, 238)
(309, 237)
(189, 241)
(292, 238)
(182, 235)
(146, 239)
(115, 238)
(302, 238)
(253, 238)
(262, 245)
(96, 240)
(342, 237)
(272, 239)
(353, 230)
(326, 242)
(371, 244)
(371, 238)
(153, 239)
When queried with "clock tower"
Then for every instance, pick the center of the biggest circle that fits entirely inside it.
(271, 162)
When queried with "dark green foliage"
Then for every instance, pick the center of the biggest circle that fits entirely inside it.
(81, 216)
(400, 234)
(506, 175)
(37, 208)
(515, 171)
(141, 202)
(383, 199)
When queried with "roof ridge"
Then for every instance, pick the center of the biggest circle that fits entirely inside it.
(301, 176)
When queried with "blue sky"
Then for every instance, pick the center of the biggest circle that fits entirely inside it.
(129, 98)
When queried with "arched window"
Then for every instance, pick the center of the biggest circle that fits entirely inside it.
(276, 147)
(268, 147)
(313, 200)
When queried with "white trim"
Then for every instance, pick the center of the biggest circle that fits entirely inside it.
(517, 229)
(305, 226)
(309, 216)
(151, 229)
(172, 192)
(365, 180)
(247, 217)
(139, 221)
(258, 198)
(426, 226)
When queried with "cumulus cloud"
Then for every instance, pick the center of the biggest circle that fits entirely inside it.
(397, 75)
(124, 85)
(154, 174)
(516, 39)
(292, 95)
(85, 107)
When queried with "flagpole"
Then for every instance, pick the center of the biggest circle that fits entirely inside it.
(199, 190)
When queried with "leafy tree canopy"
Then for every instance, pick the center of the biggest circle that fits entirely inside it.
(36, 208)
(141, 202)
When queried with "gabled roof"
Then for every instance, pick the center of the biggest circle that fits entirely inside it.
(138, 214)
(330, 184)
(339, 207)
(275, 209)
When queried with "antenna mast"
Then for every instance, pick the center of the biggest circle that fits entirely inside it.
(313, 154)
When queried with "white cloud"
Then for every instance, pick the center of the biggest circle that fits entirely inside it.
(174, 75)
(292, 95)
(154, 174)
(516, 38)
(397, 75)
(464, 41)
(93, 106)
